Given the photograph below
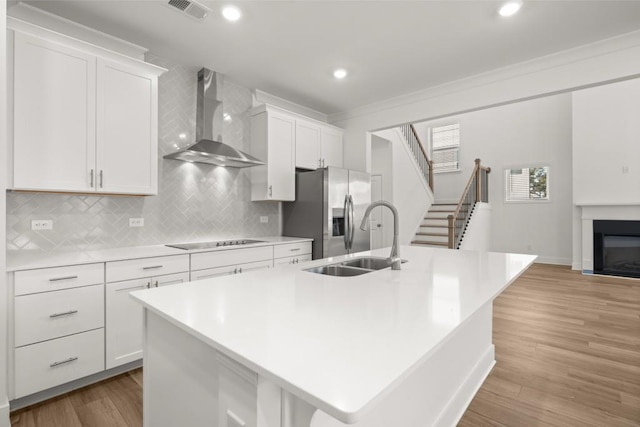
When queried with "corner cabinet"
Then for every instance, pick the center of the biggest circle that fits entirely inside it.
(272, 141)
(82, 122)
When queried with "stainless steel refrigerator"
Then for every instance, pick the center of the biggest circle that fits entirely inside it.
(329, 207)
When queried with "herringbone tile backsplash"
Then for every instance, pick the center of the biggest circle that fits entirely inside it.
(194, 201)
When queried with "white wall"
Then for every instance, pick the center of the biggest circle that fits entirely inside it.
(530, 133)
(382, 164)
(411, 195)
(477, 236)
(4, 401)
(606, 144)
(600, 62)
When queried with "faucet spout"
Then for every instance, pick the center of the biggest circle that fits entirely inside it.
(394, 257)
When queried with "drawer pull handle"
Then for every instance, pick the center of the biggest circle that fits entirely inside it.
(57, 279)
(130, 288)
(69, 360)
(152, 267)
(294, 249)
(66, 313)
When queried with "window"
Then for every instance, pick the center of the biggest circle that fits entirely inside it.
(524, 184)
(445, 145)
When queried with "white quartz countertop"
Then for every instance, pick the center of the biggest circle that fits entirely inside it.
(27, 260)
(339, 343)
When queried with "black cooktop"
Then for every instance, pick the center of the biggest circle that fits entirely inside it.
(216, 244)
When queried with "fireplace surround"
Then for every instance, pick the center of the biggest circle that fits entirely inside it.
(616, 248)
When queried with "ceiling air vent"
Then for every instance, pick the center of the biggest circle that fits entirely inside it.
(190, 8)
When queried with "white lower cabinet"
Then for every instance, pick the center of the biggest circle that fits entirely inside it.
(206, 265)
(292, 253)
(229, 270)
(58, 326)
(49, 315)
(54, 362)
(292, 260)
(124, 322)
(66, 320)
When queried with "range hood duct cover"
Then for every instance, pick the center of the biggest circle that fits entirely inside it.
(209, 149)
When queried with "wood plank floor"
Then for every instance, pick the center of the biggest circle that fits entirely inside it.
(567, 352)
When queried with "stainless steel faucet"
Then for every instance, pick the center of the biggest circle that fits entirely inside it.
(394, 257)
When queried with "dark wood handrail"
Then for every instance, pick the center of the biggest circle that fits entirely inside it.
(426, 156)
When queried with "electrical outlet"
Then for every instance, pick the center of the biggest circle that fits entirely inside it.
(136, 222)
(264, 219)
(41, 224)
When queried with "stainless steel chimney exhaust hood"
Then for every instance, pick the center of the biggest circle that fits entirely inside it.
(208, 147)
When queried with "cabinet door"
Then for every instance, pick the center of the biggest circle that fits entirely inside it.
(127, 134)
(123, 322)
(169, 279)
(281, 158)
(307, 145)
(213, 272)
(331, 148)
(250, 266)
(54, 116)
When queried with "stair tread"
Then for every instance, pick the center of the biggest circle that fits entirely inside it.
(422, 233)
(425, 242)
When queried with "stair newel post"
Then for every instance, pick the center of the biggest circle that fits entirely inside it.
(478, 182)
(430, 174)
(452, 228)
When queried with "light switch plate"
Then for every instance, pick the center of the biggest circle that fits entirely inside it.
(264, 219)
(41, 224)
(136, 222)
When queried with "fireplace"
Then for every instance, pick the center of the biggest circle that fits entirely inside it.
(616, 248)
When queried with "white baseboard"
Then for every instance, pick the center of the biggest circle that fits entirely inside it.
(552, 260)
(5, 411)
(456, 407)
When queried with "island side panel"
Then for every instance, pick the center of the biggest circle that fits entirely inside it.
(180, 377)
(437, 391)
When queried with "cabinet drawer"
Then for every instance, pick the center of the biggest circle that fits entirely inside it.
(203, 260)
(146, 267)
(230, 269)
(53, 279)
(292, 260)
(51, 363)
(291, 249)
(48, 315)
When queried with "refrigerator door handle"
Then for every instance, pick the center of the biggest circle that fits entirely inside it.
(346, 222)
(352, 222)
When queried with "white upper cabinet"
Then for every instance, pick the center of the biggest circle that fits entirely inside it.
(331, 147)
(286, 141)
(54, 116)
(307, 145)
(82, 122)
(317, 145)
(127, 130)
(272, 141)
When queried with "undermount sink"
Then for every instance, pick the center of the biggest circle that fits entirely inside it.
(369, 263)
(338, 270)
(353, 267)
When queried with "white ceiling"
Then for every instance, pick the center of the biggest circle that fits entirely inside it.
(391, 48)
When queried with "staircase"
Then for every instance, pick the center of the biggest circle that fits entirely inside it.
(445, 223)
(434, 229)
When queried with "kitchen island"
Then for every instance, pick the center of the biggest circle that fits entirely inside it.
(288, 347)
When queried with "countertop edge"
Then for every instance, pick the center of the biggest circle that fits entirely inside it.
(62, 259)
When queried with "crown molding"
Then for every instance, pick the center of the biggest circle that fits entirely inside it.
(542, 64)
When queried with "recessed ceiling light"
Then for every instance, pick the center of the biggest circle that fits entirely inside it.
(340, 73)
(231, 13)
(510, 7)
